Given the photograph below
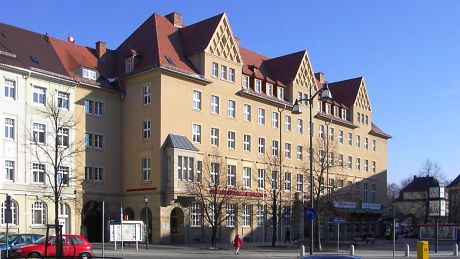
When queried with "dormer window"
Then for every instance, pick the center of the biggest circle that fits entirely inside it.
(88, 73)
(336, 111)
(245, 82)
(269, 89)
(328, 108)
(280, 93)
(344, 114)
(258, 85)
(129, 64)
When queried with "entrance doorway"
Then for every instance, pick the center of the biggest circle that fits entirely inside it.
(147, 222)
(92, 220)
(177, 226)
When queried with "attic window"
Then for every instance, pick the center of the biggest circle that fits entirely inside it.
(90, 74)
(129, 64)
(34, 59)
(170, 61)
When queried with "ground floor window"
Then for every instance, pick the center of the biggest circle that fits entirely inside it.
(195, 215)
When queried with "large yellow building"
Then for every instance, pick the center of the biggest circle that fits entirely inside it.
(182, 103)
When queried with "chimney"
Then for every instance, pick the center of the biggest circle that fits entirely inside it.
(175, 19)
(320, 77)
(100, 49)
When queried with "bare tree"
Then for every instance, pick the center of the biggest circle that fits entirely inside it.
(218, 192)
(431, 168)
(54, 150)
(393, 190)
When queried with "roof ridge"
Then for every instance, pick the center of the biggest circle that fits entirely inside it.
(155, 29)
(345, 80)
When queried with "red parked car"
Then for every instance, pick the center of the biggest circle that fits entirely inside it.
(73, 245)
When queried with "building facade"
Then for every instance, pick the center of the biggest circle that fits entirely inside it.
(176, 106)
(453, 190)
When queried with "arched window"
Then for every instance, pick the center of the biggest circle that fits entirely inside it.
(39, 213)
(14, 213)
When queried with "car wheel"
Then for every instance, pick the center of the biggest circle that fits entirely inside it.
(34, 255)
(85, 255)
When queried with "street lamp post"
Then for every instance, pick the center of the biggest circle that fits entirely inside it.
(325, 95)
(146, 202)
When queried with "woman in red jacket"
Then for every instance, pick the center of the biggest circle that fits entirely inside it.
(237, 242)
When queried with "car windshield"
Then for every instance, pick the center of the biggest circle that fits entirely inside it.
(10, 238)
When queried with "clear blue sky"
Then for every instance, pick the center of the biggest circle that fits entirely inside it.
(408, 52)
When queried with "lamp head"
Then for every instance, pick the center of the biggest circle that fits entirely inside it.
(326, 93)
(146, 200)
(296, 107)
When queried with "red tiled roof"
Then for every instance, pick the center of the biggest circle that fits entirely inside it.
(377, 131)
(26, 44)
(253, 60)
(197, 36)
(345, 91)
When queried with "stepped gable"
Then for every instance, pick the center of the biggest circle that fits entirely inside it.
(346, 91)
(30, 49)
(196, 37)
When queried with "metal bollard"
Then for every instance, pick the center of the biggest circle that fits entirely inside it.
(352, 250)
(302, 250)
(455, 250)
(406, 254)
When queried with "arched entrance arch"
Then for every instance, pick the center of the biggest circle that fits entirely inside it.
(128, 214)
(177, 225)
(147, 212)
(92, 220)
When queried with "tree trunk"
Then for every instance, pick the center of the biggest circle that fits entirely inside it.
(275, 219)
(318, 234)
(213, 238)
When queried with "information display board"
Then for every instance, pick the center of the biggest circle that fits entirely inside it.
(126, 231)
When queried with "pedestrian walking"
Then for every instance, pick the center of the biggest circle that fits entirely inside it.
(287, 237)
(237, 242)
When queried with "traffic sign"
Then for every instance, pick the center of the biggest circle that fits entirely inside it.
(339, 220)
(310, 213)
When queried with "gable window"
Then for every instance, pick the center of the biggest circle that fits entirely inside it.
(231, 175)
(261, 145)
(281, 93)
(223, 72)
(196, 100)
(275, 147)
(269, 89)
(63, 137)
(287, 150)
(231, 75)
(196, 133)
(299, 126)
(38, 213)
(231, 112)
(214, 137)
(215, 68)
(38, 173)
(10, 88)
(9, 128)
(275, 120)
(129, 64)
(215, 104)
(247, 142)
(247, 112)
(247, 177)
(146, 92)
(287, 122)
(245, 82)
(261, 116)
(39, 95)
(231, 140)
(258, 86)
(146, 129)
(146, 169)
(9, 170)
(38, 133)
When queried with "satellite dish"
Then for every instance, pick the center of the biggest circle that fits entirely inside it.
(70, 39)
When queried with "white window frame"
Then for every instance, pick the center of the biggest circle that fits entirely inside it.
(321, 131)
(231, 140)
(287, 123)
(261, 116)
(39, 95)
(14, 213)
(341, 136)
(98, 174)
(358, 141)
(299, 183)
(257, 85)
(374, 167)
(10, 88)
(129, 64)
(247, 177)
(366, 165)
(350, 139)
(230, 215)
(269, 89)
(39, 133)
(245, 82)
(247, 215)
(146, 169)
(215, 69)
(358, 164)
(63, 100)
(195, 215)
(261, 145)
(231, 175)
(41, 208)
(196, 133)
(64, 137)
(366, 143)
(275, 120)
(146, 93)
(63, 176)
(350, 162)
(89, 106)
(261, 179)
(280, 93)
(299, 152)
(247, 112)
(299, 126)
(374, 145)
(10, 128)
(247, 142)
(344, 114)
(231, 75)
(287, 181)
(231, 110)
(10, 171)
(287, 150)
(98, 108)
(146, 127)
(215, 104)
(215, 132)
(275, 147)
(98, 141)
(196, 104)
(260, 215)
(223, 72)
